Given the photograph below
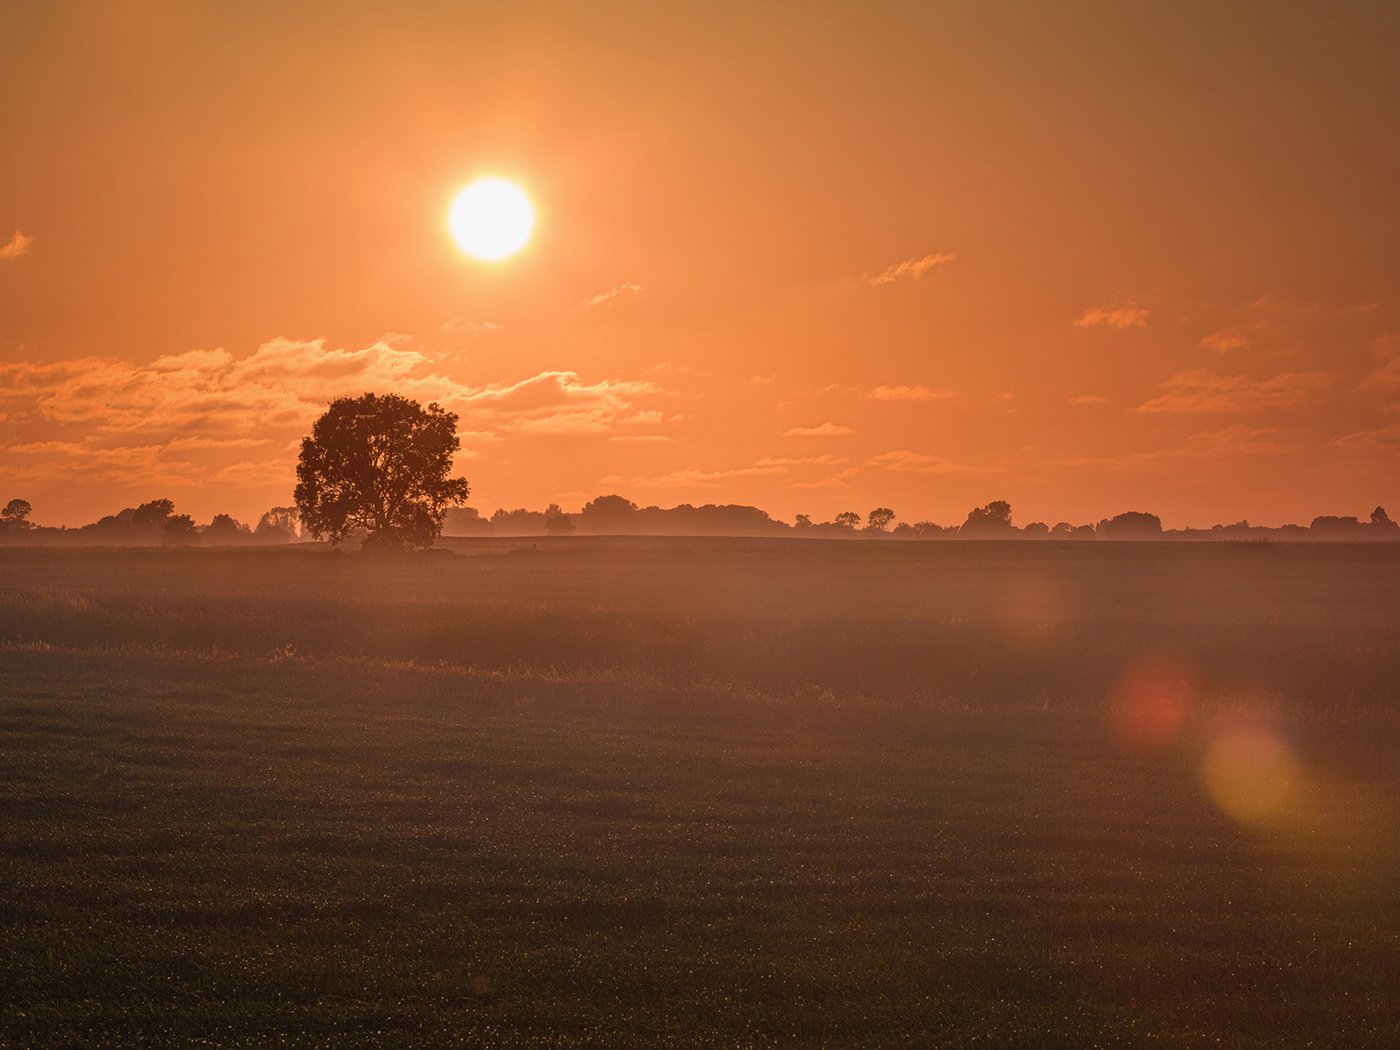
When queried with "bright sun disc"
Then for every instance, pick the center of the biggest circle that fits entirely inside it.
(491, 219)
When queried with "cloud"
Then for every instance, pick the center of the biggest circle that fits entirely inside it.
(905, 461)
(1226, 340)
(1232, 442)
(555, 403)
(908, 393)
(1088, 399)
(209, 392)
(1228, 442)
(830, 481)
(1386, 350)
(16, 246)
(801, 461)
(689, 477)
(263, 473)
(122, 417)
(81, 462)
(1195, 390)
(1127, 314)
(626, 288)
(456, 324)
(827, 429)
(1274, 305)
(1384, 439)
(913, 269)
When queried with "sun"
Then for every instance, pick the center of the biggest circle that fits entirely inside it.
(491, 219)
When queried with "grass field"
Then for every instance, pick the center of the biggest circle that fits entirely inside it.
(701, 793)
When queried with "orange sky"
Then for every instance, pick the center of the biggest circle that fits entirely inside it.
(1085, 257)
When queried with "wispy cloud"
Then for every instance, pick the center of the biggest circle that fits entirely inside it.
(908, 393)
(16, 246)
(1126, 314)
(1384, 439)
(626, 288)
(1226, 340)
(827, 429)
(1386, 376)
(554, 403)
(1195, 390)
(1237, 441)
(912, 269)
(841, 479)
(906, 461)
(688, 477)
(456, 324)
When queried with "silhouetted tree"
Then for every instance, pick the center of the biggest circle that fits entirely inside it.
(466, 521)
(225, 528)
(557, 523)
(710, 519)
(1381, 520)
(848, 519)
(608, 514)
(1240, 530)
(179, 530)
(990, 521)
(1132, 525)
(15, 515)
(277, 525)
(152, 516)
(379, 464)
(802, 521)
(1334, 527)
(1036, 530)
(141, 524)
(879, 519)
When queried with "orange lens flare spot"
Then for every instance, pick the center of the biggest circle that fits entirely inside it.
(1149, 703)
(1249, 773)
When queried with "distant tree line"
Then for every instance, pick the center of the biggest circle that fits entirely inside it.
(153, 524)
(617, 516)
(156, 523)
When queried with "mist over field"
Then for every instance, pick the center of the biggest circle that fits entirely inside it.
(704, 792)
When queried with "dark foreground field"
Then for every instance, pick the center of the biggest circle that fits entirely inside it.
(714, 793)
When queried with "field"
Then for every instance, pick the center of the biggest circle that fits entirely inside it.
(701, 793)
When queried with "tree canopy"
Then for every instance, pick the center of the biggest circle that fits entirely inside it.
(379, 464)
(15, 515)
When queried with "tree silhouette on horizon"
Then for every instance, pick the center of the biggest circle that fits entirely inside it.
(379, 464)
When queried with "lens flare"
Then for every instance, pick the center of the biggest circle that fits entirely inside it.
(1249, 773)
(1149, 703)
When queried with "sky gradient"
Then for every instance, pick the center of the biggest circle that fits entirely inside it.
(1084, 257)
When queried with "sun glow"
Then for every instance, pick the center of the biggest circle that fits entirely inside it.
(491, 219)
